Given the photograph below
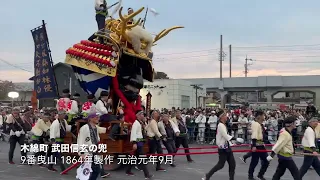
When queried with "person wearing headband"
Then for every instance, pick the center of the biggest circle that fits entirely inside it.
(224, 150)
(89, 106)
(58, 131)
(168, 129)
(257, 136)
(40, 131)
(155, 136)
(17, 133)
(182, 138)
(89, 136)
(138, 139)
(73, 107)
(285, 150)
(63, 102)
(309, 146)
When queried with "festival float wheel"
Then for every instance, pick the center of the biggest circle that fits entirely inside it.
(112, 165)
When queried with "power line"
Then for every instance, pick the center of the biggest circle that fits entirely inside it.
(296, 62)
(278, 46)
(249, 47)
(12, 65)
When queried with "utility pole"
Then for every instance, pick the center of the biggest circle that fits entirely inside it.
(196, 87)
(246, 71)
(230, 62)
(221, 57)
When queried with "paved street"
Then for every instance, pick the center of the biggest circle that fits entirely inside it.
(183, 171)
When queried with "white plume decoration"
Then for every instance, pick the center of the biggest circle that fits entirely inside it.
(154, 12)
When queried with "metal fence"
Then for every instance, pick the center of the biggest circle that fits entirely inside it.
(207, 135)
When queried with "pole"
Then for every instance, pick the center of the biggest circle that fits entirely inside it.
(12, 103)
(221, 51)
(246, 67)
(50, 56)
(70, 83)
(196, 87)
(145, 18)
(230, 62)
(196, 97)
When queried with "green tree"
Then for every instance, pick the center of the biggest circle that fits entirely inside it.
(160, 75)
(5, 88)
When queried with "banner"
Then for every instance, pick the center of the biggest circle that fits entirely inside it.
(44, 79)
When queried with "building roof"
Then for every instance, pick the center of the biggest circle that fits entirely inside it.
(23, 86)
(55, 66)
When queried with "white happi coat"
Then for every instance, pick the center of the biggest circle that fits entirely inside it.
(84, 137)
(55, 129)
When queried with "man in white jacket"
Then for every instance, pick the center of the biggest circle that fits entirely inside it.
(309, 146)
(138, 138)
(243, 126)
(58, 130)
(169, 130)
(213, 121)
(201, 120)
(89, 136)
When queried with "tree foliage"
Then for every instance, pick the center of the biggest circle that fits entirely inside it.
(5, 88)
(160, 75)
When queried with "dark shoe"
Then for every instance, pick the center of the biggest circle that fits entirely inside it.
(129, 174)
(149, 177)
(52, 169)
(11, 162)
(41, 165)
(251, 178)
(243, 160)
(172, 165)
(205, 177)
(137, 168)
(105, 175)
(161, 169)
(190, 161)
(261, 178)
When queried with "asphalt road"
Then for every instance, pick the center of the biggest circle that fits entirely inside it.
(183, 171)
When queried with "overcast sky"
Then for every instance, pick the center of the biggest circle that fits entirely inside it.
(278, 35)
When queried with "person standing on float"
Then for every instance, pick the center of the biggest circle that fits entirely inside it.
(285, 150)
(101, 13)
(224, 150)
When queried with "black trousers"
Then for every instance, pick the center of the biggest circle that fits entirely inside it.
(142, 166)
(283, 165)
(212, 134)
(155, 147)
(13, 140)
(58, 157)
(96, 169)
(309, 161)
(255, 160)
(170, 146)
(39, 141)
(246, 156)
(224, 155)
(182, 140)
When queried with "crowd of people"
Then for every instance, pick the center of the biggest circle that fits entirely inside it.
(171, 128)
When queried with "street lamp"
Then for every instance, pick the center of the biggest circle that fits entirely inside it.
(13, 95)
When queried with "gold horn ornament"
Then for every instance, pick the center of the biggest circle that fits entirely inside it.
(124, 22)
(165, 32)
